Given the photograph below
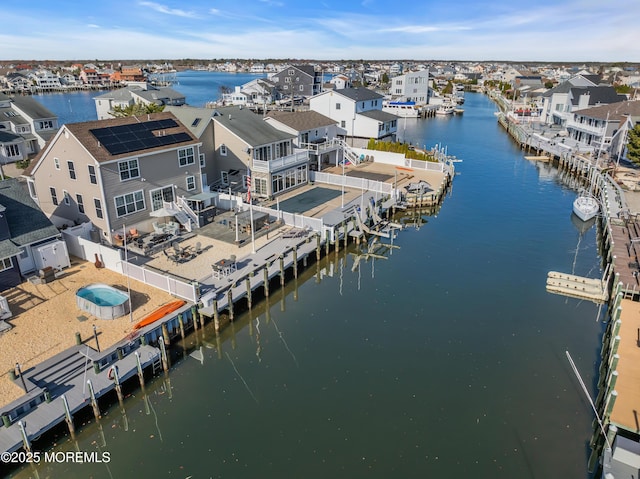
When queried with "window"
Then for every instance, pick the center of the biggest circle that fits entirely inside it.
(129, 203)
(202, 163)
(56, 163)
(54, 197)
(343, 124)
(5, 264)
(191, 183)
(65, 196)
(224, 177)
(92, 175)
(223, 150)
(80, 203)
(287, 80)
(186, 157)
(337, 106)
(12, 150)
(128, 169)
(260, 186)
(301, 87)
(45, 125)
(72, 170)
(160, 195)
(98, 206)
(262, 153)
(291, 72)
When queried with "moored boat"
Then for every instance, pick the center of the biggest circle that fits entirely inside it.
(403, 109)
(445, 109)
(585, 207)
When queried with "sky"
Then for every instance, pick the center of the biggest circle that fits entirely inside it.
(474, 30)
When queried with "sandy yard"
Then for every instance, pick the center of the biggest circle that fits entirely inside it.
(46, 318)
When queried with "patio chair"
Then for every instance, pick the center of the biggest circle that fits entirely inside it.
(171, 257)
(198, 247)
(157, 228)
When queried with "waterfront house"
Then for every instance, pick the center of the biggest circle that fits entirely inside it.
(244, 140)
(359, 112)
(28, 240)
(297, 80)
(578, 92)
(199, 122)
(318, 134)
(44, 80)
(604, 127)
(255, 93)
(411, 86)
(25, 127)
(136, 93)
(116, 172)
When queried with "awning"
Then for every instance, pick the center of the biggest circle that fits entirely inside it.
(204, 196)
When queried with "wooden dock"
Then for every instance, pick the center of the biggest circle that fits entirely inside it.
(578, 286)
(64, 378)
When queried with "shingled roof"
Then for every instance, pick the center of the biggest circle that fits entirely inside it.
(27, 223)
(83, 132)
(301, 120)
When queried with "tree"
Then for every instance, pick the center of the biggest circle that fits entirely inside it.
(136, 109)
(633, 146)
(448, 90)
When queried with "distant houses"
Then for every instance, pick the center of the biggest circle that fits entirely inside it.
(25, 126)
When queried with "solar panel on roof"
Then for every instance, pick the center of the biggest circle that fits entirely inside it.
(137, 136)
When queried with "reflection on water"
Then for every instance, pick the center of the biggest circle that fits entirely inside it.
(447, 359)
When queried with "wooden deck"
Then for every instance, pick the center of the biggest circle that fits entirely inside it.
(626, 410)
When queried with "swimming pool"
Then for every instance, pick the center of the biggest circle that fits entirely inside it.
(102, 301)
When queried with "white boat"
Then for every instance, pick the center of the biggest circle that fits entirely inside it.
(403, 109)
(445, 109)
(585, 207)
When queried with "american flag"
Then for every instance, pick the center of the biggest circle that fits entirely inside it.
(248, 185)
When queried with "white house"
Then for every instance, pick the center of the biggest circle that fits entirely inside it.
(412, 86)
(359, 112)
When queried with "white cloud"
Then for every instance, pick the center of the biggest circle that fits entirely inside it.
(167, 10)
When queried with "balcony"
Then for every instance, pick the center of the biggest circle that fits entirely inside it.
(322, 147)
(591, 129)
(298, 158)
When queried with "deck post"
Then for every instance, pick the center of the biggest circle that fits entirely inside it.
(68, 418)
(281, 270)
(265, 281)
(295, 261)
(163, 355)
(25, 439)
(230, 302)
(94, 401)
(216, 316)
(318, 247)
(140, 371)
(116, 380)
(248, 284)
(165, 334)
(610, 403)
(181, 324)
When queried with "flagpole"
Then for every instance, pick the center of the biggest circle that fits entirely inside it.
(251, 225)
(126, 261)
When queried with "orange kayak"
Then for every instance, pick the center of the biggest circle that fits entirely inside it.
(159, 313)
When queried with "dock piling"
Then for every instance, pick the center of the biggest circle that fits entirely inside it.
(68, 418)
(94, 401)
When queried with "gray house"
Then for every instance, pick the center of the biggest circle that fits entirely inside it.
(141, 92)
(245, 141)
(25, 126)
(117, 172)
(28, 240)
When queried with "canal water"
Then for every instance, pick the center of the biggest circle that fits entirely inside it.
(445, 358)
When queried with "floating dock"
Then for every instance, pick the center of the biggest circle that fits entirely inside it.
(577, 286)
